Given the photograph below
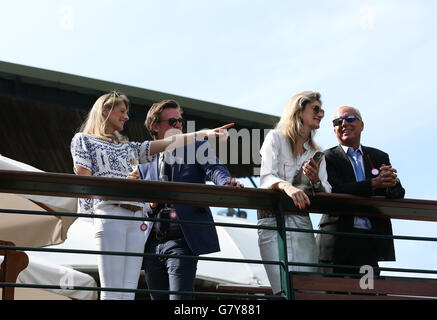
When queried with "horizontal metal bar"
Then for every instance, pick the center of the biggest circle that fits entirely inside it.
(116, 217)
(216, 259)
(325, 265)
(219, 224)
(362, 235)
(136, 254)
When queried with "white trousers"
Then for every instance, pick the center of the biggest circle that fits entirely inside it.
(301, 247)
(118, 235)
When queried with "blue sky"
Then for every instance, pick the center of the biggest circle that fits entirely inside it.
(376, 55)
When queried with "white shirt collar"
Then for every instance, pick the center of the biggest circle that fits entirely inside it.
(345, 149)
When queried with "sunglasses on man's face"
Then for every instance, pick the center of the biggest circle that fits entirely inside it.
(350, 118)
(174, 121)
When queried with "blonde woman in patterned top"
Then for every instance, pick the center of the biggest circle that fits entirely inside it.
(100, 150)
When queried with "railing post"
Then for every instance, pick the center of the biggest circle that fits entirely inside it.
(283, 255)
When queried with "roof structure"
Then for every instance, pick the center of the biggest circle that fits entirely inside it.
(41, 110)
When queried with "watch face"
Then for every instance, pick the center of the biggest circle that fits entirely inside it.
(375, 171)
(317, 185)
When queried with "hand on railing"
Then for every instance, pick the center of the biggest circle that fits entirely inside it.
(134, 175)
(232, 182)
(298, 196)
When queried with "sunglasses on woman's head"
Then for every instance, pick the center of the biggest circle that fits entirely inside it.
(114, 93)
(350, 118)
(173, 121)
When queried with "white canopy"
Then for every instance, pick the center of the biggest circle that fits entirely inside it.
(60, 204)
(33, 230)
(45, 273)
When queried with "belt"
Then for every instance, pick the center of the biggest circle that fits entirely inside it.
(167, 236)
(262, 213)
(130, 207)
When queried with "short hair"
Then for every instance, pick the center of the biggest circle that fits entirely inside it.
(155, 111)
(356, 111)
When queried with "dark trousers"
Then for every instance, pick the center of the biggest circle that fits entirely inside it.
(356, 251)
(174, 274)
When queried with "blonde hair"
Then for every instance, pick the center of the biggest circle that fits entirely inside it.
(291, 125)
(95, 122)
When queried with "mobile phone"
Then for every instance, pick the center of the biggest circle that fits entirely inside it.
(317, 156)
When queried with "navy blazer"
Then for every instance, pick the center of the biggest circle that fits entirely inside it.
(342, 178)
(201, 239)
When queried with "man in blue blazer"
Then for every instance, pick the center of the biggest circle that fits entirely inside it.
(197, 162)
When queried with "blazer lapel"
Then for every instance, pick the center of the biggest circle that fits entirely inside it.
(176, 167)
(346, 164)
(367, 166)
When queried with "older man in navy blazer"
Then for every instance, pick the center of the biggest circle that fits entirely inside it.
(359, 170)
(198, 161)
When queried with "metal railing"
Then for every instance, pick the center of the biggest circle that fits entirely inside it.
(66, 185)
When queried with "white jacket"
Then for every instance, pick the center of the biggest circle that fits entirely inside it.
(278, 164)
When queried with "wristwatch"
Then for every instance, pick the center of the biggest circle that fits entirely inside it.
(317, 186)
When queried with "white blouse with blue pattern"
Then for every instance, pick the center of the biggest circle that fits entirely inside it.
(105, 159)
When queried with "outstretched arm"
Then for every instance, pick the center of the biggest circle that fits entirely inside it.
(181, 140)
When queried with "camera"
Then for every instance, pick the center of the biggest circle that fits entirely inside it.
(162, 212)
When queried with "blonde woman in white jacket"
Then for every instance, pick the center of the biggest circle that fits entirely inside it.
(287, 149)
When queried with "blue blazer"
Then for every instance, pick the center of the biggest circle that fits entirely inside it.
(200, 238)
